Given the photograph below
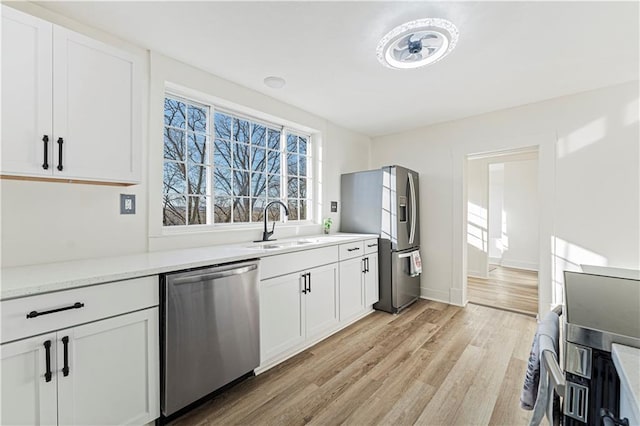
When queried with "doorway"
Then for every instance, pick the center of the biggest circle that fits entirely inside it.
(502, 230)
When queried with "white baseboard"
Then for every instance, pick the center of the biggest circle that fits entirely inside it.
(475, 275)
(520, 264)
(437, 295)
(495, 260)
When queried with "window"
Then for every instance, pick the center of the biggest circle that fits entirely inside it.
(221, 167)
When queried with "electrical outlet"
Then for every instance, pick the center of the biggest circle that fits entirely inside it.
(127, 204)
(334, 207)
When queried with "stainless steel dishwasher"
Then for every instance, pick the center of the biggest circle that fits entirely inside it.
(210, 331)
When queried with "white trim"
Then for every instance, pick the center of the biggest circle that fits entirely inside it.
(520, 264)
(437, 295)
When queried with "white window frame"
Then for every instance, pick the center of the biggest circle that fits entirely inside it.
(285, 127)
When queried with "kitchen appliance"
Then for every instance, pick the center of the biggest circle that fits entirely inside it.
(210, 331)
(385, 202)
(599, 310)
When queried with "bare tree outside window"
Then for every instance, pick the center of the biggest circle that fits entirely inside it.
(221, 168)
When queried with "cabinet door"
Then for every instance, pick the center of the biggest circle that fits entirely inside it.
(281, 315)
(113, 371)
(371, 289)
(351, 289)
(26, 94)
(321, 302)
(96, 109)
(27, 398)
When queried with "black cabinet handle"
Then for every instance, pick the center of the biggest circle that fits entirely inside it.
(60, 142)
(65, 344)
(304, 289)
(309, 274)
(45, 164)
(353, 249)
(366, 262)
(364, 265)
(372, 245)
(47, 349)
(34, 314)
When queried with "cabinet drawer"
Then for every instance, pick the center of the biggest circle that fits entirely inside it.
(371, 246)
(282, 264)
(350, 250)
(99, 301)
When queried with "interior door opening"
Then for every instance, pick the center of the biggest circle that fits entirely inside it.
(502, 235)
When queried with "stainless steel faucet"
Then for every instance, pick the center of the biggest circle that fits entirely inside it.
(266, 234)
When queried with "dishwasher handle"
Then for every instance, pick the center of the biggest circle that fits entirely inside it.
(215, 275)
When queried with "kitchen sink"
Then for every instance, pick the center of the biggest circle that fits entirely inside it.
(284, 244)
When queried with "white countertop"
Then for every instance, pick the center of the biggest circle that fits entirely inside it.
(627, 362)
(35, 279)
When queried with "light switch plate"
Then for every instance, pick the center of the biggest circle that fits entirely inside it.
(127, 204)
(334, 207)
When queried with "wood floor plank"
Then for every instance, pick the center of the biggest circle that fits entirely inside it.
(431, 364)
(506, 288)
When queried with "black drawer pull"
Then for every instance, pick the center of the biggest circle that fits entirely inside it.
(372, 245)
(45, 164)
(34, 314)
(65, 368)
(309, 275)
(353, 249)
(47, 349)
(304, 277)
(60, 142)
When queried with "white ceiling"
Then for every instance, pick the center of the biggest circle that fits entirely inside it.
(508, 54)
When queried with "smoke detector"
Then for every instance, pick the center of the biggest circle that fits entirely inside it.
(417, 43)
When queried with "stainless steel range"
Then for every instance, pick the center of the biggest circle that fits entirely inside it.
(599, 310)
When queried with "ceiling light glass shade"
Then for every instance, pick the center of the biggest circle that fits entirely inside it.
(417, 43)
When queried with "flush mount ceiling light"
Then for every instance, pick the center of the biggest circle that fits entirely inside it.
(417, 43)
(274, 82)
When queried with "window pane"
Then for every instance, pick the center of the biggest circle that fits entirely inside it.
(292, 143)
(174, 113)
(274, 186)
(303, 145)
(222, 210)
(258, 184)
(274, 139)
(197, 148)
(273, 162)
(197, 179)
(258, 135)
(197, 118)
(173, 144)
(222, 124)
(174, 210)
(303, 210)
(174, 178)
(292, 164)
(302, 166)
(292, 187)
(240, 183)
(293, 209)
(222, 182)
(197, 210)
(303, 188)
(240, 130)
(274, 212)
(241, 210)
(241, 156)
(222, 153)
(257, 209)
(258, 159)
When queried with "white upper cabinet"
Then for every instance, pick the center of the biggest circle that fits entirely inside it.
(27, 94)
(80, 94)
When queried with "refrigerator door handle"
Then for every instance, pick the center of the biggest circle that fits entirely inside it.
(412, 188)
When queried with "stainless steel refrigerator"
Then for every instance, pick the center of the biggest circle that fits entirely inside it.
(385, 202)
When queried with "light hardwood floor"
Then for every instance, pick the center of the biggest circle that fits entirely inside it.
(434, 364)
(506, 288)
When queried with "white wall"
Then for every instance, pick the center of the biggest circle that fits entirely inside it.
(496, 205)
(588, 183)
(477, 217)
(47, 222)
(521, 215)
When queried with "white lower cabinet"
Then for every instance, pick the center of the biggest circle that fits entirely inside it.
(351, 288)
(101, 373)
(370, 277)
(297, 307)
